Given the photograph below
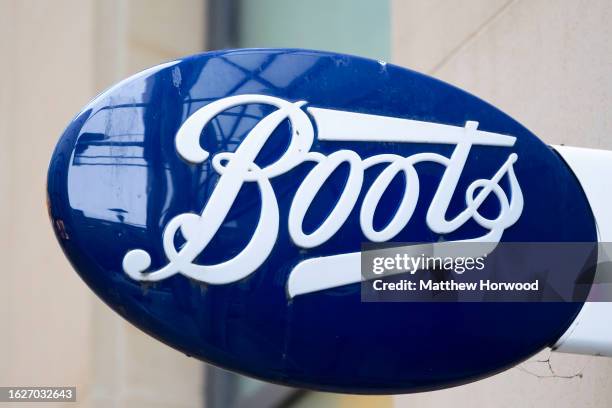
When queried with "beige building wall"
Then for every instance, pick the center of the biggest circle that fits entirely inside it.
(55, 57)
(547, 63)
(46, 74)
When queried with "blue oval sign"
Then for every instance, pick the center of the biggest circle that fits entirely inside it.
(219, 203)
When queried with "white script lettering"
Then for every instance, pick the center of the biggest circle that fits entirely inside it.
(239, 167)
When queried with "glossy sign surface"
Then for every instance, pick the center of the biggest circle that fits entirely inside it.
(217, 203)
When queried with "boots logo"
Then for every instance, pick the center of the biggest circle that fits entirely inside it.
(239, 167)
(239, 206)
